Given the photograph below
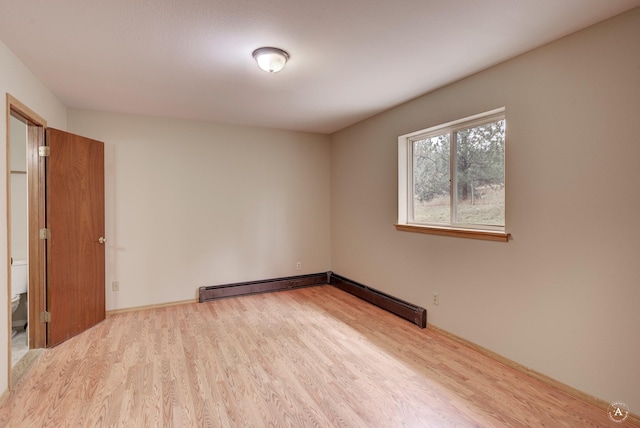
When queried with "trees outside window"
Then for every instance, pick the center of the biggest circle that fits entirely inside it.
(456, 173)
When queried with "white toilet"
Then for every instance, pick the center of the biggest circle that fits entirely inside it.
(18, 282)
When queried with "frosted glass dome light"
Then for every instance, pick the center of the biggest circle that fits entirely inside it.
(270, 60)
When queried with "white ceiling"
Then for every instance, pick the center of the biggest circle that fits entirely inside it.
(350, 59)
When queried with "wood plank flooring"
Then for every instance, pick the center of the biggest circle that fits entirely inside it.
(313, 357)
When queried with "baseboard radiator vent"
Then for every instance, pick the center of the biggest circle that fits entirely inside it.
(406, 310)
(214, 292)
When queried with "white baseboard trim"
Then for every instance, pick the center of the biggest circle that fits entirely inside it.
(147, 307)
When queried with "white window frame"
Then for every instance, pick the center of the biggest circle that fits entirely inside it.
(405, 181)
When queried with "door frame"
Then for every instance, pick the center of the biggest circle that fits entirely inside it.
(36, 125)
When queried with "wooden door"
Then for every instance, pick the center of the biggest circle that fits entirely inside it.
(75, 245)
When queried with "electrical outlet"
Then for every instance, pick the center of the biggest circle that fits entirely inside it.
(298, 266)
(436, 299)
(115, 286)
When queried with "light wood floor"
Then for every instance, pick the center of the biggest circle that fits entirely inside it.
(314, 357)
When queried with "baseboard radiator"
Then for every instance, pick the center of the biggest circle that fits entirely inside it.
(214, 292)
(406, 310)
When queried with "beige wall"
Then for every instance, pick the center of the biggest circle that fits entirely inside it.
(562, 296)
(191, 204)
(17, 80)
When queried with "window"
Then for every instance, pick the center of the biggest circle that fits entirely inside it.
(451, 178)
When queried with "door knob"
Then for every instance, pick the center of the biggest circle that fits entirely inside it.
(102, 240)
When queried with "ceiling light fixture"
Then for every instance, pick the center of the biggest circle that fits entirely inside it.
(271, 60)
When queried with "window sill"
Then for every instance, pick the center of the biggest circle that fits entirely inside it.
(459, 233)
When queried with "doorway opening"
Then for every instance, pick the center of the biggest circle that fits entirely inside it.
(65, 236)
(25, 216)
(19, 237)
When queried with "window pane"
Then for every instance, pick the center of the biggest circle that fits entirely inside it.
(431, 186)
(480, 174)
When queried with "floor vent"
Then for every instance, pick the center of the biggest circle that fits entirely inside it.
(406, 310)
(214, 292)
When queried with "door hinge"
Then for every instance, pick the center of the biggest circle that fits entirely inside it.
(44, 151)
(45, 316)
(45, 233)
